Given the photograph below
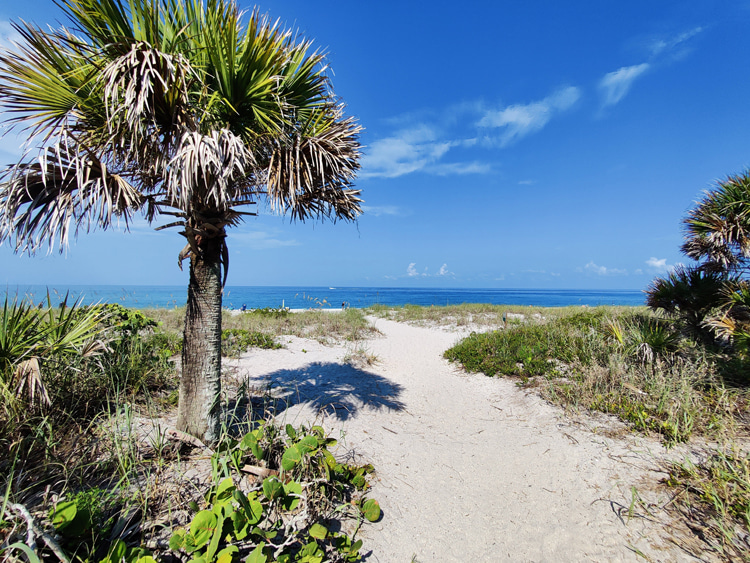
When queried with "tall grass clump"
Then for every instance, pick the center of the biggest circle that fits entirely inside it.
(715, 496)
(62, 367)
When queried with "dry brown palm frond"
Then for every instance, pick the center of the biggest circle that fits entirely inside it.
(41, 200)
(309, 172)
(210, 170)
(28, 380)
(146, 86)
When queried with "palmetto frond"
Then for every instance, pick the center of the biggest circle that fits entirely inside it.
(66, 187)
(209, 171)
(45, 81)
(308, 168)
(147, 88)
(718, 228)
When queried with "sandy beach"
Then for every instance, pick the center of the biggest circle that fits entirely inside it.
(469, 468)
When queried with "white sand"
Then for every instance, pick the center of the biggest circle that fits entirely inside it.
(468, 468)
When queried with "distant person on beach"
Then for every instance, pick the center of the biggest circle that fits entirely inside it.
(244, 307)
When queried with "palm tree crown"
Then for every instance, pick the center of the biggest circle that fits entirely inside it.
(170, 107)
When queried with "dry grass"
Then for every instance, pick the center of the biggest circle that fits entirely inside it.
(323, 326)
(478, 314)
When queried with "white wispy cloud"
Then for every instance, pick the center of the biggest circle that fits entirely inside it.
(460, 168)
(436, 142)
(603, 270)
(519, 120)
(258, 240)
(8, 36)
(411, 270)
(664, 45)
(615, 85)
(407, 151)
(378, 210)
(12, 145)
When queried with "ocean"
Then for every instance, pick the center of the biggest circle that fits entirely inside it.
(329, 297)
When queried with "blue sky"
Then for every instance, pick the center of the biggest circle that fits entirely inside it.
(507, 144)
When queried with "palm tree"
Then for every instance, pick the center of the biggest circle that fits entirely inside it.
(717, 230)
(712, 297)
(173, 108)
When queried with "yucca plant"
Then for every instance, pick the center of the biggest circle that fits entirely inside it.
(179, 109)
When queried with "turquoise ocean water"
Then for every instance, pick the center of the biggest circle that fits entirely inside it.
(330, 297)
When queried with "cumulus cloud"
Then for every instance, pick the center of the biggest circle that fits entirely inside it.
(660, 265)
(615, 85)
(520, 120)
(412, 272)
(657, 263)
(443, 271)
(603, 270)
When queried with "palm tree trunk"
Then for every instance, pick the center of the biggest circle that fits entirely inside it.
(199, 412)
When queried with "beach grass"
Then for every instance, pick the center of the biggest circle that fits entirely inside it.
(324, 326)
(625, 362)
(485, 315)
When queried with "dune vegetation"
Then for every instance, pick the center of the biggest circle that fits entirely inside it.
(92, 471)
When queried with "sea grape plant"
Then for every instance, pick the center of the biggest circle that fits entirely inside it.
(282, 517)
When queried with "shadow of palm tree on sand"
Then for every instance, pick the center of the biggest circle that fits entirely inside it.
(339, 390)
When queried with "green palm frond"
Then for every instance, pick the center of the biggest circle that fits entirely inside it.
(43, 84)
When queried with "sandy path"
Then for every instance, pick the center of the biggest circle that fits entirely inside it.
(469, 468)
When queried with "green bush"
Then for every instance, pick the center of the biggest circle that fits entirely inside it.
(530, 349)
(236, 341)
